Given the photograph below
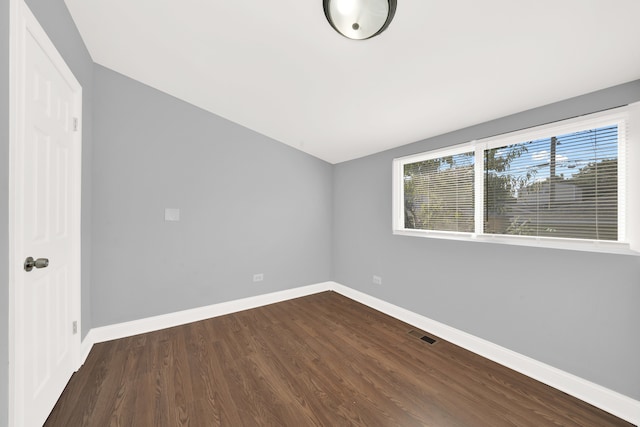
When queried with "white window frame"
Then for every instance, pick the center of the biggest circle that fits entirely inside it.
(398, 164)
(628, 120)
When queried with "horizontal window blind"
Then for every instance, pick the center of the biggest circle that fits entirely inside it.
(561, 186)
(439, 193)
(566, 185)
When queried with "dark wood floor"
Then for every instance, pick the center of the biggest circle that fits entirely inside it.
(321, 360)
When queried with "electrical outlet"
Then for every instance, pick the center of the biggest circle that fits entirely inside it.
(377, 280)
(258, 277)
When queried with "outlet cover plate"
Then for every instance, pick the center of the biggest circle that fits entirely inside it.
(171, 214)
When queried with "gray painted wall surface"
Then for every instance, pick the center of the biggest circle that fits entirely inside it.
(576, 311)
(59, 26)
(248, 205)
(4, 212)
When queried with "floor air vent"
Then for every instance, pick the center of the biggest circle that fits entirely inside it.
(422, 336)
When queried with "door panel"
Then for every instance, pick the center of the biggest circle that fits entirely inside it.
(46, 175)
(48, 324)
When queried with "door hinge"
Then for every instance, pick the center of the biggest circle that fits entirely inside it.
(76, 124)
(75, 327)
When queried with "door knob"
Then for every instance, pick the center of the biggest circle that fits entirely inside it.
(29, 263)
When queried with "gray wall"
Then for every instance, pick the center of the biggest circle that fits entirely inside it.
(248, 205)
(4, 211)
(576, 311)
(54, 17)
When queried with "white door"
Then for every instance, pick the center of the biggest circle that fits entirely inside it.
(45, 162)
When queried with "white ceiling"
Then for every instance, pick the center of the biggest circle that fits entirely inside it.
(278, 67)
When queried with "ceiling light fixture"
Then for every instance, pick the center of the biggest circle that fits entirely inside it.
(359, 19)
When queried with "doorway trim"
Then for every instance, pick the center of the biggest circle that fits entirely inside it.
(21, 22)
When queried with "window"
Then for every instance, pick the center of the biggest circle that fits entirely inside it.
(438, 193)
(561, 185)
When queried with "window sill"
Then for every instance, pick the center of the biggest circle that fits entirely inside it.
(537, 242)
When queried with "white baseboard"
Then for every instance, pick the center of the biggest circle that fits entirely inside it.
(608, 400)
(155, 323)
(85, 347)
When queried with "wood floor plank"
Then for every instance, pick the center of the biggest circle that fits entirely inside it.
(320, 360)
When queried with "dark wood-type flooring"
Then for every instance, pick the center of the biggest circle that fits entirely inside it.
(321, 360)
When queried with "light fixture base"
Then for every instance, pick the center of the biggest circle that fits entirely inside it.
(359, 19)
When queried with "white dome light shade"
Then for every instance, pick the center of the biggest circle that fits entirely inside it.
(359, 19)
(346, 7)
